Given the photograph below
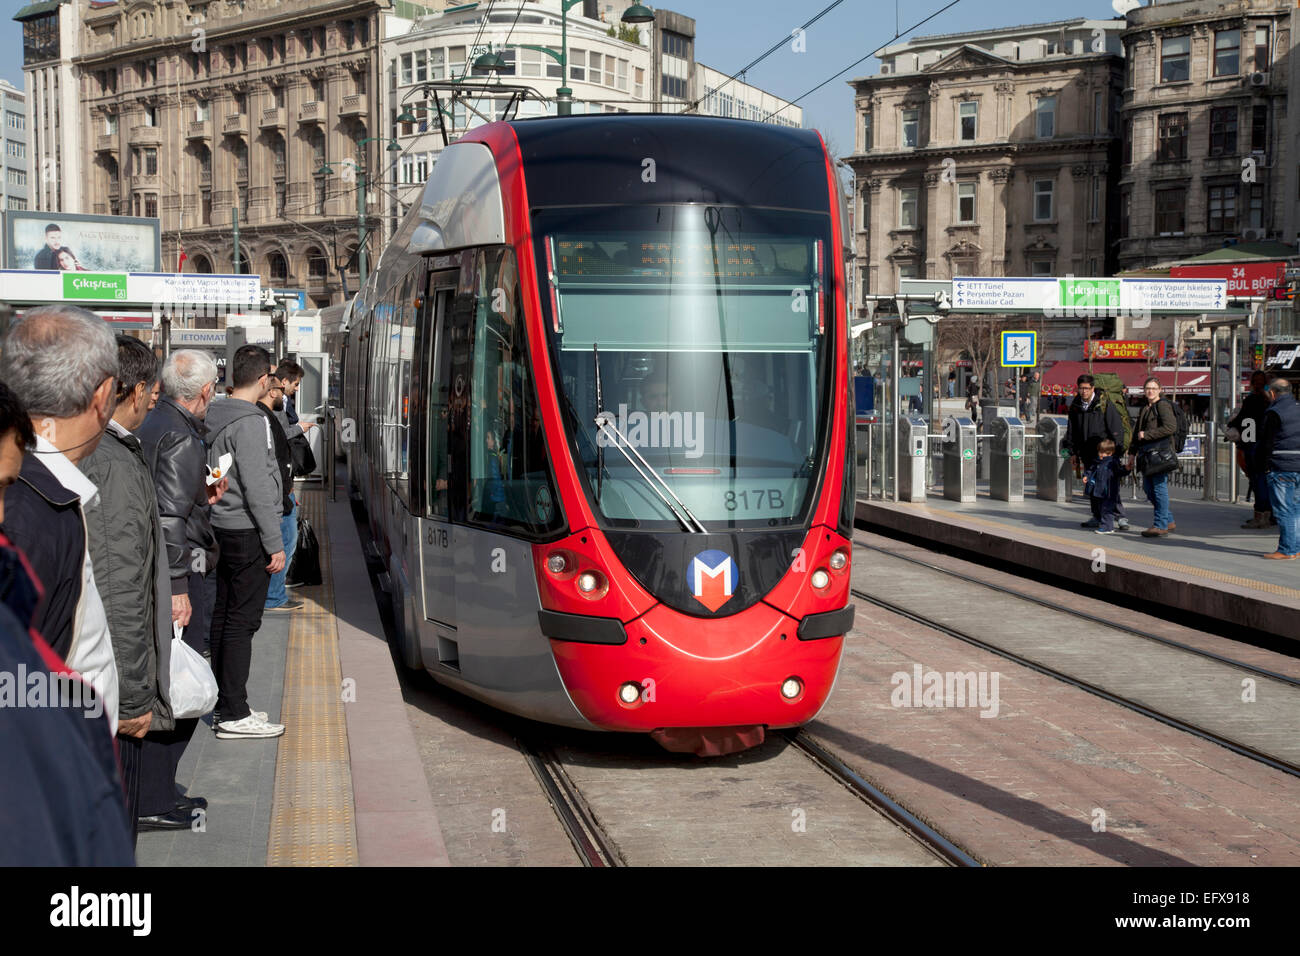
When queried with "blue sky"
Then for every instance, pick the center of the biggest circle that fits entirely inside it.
(730, 33)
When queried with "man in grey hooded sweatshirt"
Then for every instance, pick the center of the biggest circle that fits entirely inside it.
(246, 522)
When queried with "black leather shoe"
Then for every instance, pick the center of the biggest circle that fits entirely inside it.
(176, 819)
(191, 803)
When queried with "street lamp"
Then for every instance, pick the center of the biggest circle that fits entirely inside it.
(325, 170)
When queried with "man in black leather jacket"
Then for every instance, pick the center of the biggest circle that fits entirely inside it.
(173, 440)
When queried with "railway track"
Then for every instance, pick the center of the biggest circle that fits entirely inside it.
(880, 801)
(1187, 726)
(589, 839)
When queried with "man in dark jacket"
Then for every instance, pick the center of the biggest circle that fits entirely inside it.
(277, 597)
(1247, 425)
(1093, 419)
(247, 524)
(173, 438)
(129, 555)
(1279, 451)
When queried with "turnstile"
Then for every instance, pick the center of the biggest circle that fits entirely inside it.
(959, 450)
(1052, 472)
(913, 456)
(1007, 459)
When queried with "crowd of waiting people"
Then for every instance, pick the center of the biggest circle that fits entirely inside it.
(120, 529)
(1266, 431)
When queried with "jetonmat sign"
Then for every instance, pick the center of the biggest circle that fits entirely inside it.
(1088, 296)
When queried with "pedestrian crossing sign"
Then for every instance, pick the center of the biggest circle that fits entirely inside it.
(1019, 349)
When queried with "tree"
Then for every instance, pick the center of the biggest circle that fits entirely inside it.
(979, 338)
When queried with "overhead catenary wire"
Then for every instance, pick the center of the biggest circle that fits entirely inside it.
(874, 52)
(761, 57)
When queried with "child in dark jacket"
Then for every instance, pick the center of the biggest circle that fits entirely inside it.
(1101, 484)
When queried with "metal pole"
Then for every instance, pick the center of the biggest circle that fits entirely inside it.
(1234, 378)
(889, 424)
(564, 95)
(234, 218)
(1209, 453)
(361, 228)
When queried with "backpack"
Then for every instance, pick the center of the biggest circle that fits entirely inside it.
(1180, 432)
(1110, 391)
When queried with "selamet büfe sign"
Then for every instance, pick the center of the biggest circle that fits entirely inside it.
(1249, 279)
(1125, 349)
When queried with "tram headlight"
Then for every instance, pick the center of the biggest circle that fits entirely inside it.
(839, 560)
(791, 688)
(592, 584)
(629, 693)
(556, 562)
(821, 579)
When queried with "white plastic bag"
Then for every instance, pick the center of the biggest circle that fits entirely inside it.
(194, 687)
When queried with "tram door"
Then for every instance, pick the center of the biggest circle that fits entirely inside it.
(310, 402)
(438, 538)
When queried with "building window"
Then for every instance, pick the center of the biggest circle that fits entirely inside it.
(1126, 148)
(911, 128)
(908, 270)
(205, 207)
(1227, 52)
(1170, 211)
(318, 90)
(1130, 68)
(308, 46)
(1125, 207)
(421, 66)
(241, 104)
(1045, 117)
(202, 111)
(1174, 57)
(281, 197)
(151, 206)
(15, 120)
(150, 161)
(965, 202)
(15, 149)
(1256, 211)
(150, 116)
(1040, 267)
(239, 149)
(577, 64)
(1094, 199)
(866, 132)
(1044, 194)
(1173, 137)
(320, 195)
(16, 203)
(277, 97)
(968, 114)
(908, 197)
(1223, 131)
(1222, 216)
(1261, 48)
(1259, 128)
(407, 72)
(16, 177)
(1099, 115)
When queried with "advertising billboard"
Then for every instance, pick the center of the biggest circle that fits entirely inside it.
(1248, 279)
(68, 243)
(1131, 349)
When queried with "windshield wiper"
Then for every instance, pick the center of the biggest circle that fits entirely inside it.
(688, 521)
(600, 406)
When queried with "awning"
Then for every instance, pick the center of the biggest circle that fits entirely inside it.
(36, 9)
(1190, 380)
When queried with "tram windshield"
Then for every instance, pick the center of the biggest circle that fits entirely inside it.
(701, 332)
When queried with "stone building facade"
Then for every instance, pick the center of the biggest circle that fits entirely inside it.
(990, 154)
(190, 109)
(1206, 157)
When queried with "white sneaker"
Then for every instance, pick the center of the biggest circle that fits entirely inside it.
(250, 727)
(217, 719)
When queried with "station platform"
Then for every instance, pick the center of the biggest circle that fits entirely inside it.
(1209, 566)
(344, 785)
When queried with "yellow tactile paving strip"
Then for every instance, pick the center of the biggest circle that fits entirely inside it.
(312, 821)
(1232, 580)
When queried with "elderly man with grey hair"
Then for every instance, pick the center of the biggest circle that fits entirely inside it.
(174, 440)
(61, 362)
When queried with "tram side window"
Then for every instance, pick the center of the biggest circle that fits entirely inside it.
(375, 382)
(510, 479)
(438, 410)
(403, 351)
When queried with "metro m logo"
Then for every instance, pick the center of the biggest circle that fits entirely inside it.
(713, 578)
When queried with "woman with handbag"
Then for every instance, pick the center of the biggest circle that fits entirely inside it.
(1153, 450)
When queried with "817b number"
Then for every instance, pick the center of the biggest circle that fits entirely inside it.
(757, 500)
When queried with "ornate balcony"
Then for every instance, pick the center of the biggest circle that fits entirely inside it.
(354, 105)
(146, 136)
(311, 113)
(200, 130)
(272, 119)
(106, 143)
(235, 125)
